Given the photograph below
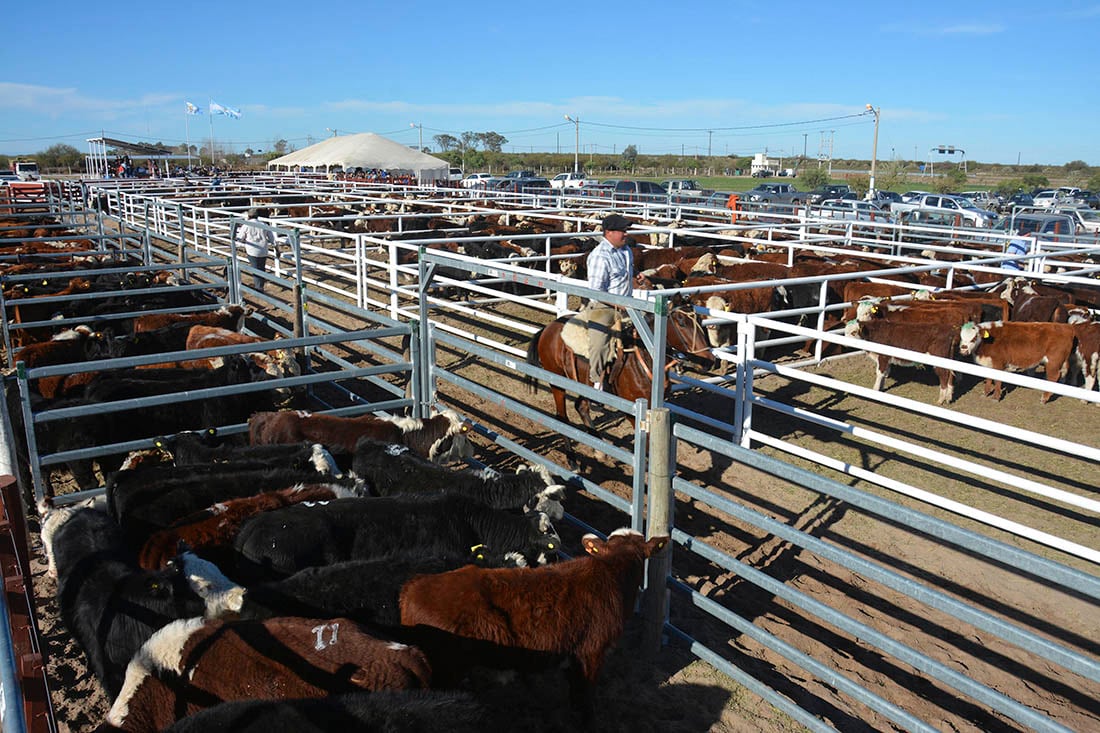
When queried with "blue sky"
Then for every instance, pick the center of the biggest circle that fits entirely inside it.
(1004, 81)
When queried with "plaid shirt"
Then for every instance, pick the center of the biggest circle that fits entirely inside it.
(611, 269)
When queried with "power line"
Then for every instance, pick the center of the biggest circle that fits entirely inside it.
(740, 127)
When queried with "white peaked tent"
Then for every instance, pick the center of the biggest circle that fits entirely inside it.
(363, 150)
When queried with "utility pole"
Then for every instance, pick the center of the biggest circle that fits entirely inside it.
(710, 134)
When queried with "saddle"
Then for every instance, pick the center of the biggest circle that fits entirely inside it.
(574, 334)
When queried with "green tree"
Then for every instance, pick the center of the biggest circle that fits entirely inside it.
(280, 147)
(860, 184)
(59, 157)
(492, 141)
(446, 142)
(1076, 166)
(1035, 180)
(812, 178)
(1094, 182)
(630, 156)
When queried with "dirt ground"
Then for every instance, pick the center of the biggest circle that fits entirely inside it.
(677, 693)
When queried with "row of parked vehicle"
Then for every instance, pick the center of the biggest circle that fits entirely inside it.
(977, 209)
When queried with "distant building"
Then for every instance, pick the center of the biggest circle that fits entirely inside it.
(761, 162)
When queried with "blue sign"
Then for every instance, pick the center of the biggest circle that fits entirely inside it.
(922, 167)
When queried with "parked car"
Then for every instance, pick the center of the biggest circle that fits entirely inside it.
(520, 174)
(828, 191)
(885, 199)
(1088, 198)
(1050, 197)
(685, 191)
(625, 190)
(777, 193)
(476, 180)
(454, 175)
(7, 176)
(849, 209)
(962, 209)
(534, 184)
(1085, 219)
(1049, 227)
(762, 173)
(908, 196)
(571, 180)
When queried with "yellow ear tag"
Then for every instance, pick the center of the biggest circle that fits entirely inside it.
(550, 546)
(985, 334)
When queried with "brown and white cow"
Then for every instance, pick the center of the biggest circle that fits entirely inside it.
(192, 664)
(934, 339)
(1013, 346)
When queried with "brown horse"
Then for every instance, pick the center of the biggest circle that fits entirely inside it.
(687, 340)
(631, 373)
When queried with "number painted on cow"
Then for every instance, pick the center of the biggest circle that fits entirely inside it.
(319, 631)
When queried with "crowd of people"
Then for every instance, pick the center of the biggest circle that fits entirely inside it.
(374, 175)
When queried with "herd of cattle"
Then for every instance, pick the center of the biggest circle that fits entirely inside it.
(335, 568)
(1064, 346)
(329, 568)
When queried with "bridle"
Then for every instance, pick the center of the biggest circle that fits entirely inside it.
(697, 335)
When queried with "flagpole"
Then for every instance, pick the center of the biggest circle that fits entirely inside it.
(187, 134)
(211, 116)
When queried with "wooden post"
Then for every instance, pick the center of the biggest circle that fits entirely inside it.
(661, 460)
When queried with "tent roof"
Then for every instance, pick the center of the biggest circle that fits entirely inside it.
(361, 150)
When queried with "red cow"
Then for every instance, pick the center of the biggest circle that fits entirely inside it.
(1018, 347)
(228, 316)
(440, 438)
(576, 608)
(935, 339)
(191, 664)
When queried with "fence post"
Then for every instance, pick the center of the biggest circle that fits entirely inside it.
(661, 459)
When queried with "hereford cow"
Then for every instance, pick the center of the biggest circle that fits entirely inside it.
(277, 363)
(284, 541)
(442, 438)
(1087, 356)
(109, 605)
(388, 468)
(593, 597)
(191, 664)
(227, 316)
(1016, 346)
(935, 339)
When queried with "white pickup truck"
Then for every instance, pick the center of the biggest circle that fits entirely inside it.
(571, 180)
(934, 206)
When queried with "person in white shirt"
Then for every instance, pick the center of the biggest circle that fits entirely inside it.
(257, 243)
(610, 269)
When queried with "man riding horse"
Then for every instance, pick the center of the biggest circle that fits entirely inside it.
(610, 270)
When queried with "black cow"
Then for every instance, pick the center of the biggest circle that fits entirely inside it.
(413, 711)
(149, 499)
(390, 469)
(110, 606)
(130, 425)
(362, 590)
(284, 541)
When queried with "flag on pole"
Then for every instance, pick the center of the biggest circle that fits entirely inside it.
(192, 109)
(217, 109)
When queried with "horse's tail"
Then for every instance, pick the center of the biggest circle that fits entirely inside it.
(533, 360)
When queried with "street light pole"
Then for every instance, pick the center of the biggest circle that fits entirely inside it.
(577, 149)
(874, 149)
(420, 148)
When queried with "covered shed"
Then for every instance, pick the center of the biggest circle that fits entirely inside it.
(364, 150)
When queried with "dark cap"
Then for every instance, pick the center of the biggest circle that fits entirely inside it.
(615, 223)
